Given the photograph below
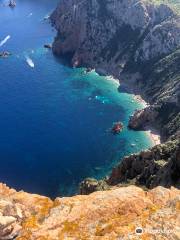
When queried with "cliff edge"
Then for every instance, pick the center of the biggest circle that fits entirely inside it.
(120, 213)
(138, 42)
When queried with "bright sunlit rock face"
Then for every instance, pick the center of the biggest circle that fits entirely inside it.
(104, 215)
(138, 43)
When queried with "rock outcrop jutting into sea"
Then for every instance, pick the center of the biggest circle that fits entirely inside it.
(135, 41)
(125, 38)
(138, 42)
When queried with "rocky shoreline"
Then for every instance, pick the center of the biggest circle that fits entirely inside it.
(138, 43)
(131, 49)
(154, 136)
(114, 210)
(152, 60)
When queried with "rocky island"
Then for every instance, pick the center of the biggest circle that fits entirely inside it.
(137, 42)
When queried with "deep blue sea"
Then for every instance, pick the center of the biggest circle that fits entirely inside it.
(55, 120)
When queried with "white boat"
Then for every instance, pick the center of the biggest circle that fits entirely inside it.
(30, 62)
(4, 40)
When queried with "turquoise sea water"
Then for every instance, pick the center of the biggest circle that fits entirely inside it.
(55, 120)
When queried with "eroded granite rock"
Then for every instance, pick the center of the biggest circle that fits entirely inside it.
(90, 185)
(139, 43)
(157, 166)
(123, 37)
(107, 215)
(141, 118)
(108, 34)
(16, 208)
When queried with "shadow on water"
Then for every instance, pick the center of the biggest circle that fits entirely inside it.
(53, 118)
(64, 59)
(124, 89)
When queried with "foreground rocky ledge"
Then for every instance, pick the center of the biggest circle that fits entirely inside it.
(108, 215)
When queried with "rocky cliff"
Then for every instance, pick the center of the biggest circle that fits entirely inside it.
(109, 34)
(161, 87)
(108, 215)
(124, 37)
(157, 166)
(138, 42)
(118, 37)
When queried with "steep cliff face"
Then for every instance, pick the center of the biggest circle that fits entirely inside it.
(108, 215)
(161, 86)
(123, 37)
(157, 166)
(108, 34)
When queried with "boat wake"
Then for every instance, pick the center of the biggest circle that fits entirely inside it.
(4, 40)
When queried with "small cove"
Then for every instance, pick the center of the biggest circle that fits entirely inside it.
(55, 120)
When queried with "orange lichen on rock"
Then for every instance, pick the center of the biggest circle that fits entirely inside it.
(107, 215)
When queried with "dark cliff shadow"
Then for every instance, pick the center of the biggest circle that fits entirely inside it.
(124, 89)
(63, 60)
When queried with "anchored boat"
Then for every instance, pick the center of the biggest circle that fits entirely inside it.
(5, 54)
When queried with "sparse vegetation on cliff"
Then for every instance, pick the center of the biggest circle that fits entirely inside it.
(135, 36)
(175, 4)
